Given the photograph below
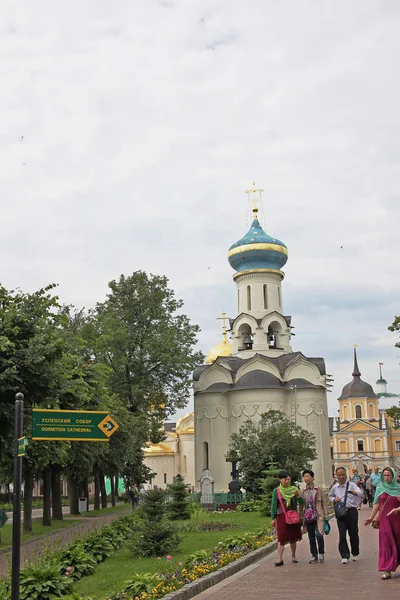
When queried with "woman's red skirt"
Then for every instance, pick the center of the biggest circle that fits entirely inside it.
(287, 533)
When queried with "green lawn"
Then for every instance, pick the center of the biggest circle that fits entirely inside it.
(110, 575)
(37, 530)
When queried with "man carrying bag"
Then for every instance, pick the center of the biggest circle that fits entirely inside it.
(345, 496)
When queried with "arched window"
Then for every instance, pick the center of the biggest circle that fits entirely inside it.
(377, 444)
(205, 456)
(358, 411)
(248, 297)
(360, 445)
(265, 294)
(343, 446)
(371, 411)
(345, 412)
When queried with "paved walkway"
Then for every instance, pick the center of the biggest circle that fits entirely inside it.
(328, 581)
(59, 539)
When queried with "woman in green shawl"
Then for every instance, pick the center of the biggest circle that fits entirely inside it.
(285, 497)
(387, 503)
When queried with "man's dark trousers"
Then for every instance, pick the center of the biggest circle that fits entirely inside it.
(349, 525)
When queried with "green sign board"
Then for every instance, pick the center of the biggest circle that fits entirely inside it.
(72, 425)
(3, 517)
(22, 444)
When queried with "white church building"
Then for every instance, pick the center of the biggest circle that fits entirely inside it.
(258, 371)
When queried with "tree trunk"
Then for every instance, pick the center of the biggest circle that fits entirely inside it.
(73, 495)
(112, 490)
(47, 497)
(116, 487)
(84, 490)
(103, 490)
(28, 496)
(96, 491)
(56, 493)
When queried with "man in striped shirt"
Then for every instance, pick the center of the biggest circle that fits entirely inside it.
(349, 523)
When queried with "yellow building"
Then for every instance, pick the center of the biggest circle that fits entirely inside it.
(363, 436)
(173, 455)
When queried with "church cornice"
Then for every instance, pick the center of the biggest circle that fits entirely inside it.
(255, 274)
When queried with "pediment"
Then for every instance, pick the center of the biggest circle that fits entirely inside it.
(301, 368)
(258, 362)
(359, 425)
(215, 373)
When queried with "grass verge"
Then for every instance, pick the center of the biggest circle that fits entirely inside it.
(110, 575)
(38, 529)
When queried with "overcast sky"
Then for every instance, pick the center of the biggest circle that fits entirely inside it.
(129, 130)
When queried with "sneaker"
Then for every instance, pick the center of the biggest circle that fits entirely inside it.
(355, 558)
(313, 561)
(345, 561)
(322, 558)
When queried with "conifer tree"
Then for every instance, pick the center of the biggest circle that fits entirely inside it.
(178, 508)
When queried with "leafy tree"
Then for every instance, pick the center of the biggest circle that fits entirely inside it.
(395, 326)
(30, 348)
(148, 344)
(178, 507)
(394, 413)
(273, 439)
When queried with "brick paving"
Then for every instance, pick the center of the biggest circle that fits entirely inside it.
(328, 581)
(58, 539)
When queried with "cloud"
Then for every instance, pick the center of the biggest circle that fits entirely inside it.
(129, 133)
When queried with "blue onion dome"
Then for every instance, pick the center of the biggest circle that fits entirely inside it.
(257, 250)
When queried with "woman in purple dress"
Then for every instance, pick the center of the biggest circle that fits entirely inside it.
(387, 502)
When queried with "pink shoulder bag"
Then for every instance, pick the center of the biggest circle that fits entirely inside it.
(292, 517)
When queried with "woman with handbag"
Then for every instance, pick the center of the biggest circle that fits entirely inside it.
(284, 513)
(314, 516)
(386, 518)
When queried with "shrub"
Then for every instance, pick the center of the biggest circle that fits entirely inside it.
(153, 506)
(199, 557)
(178, 508)
(154, 536)
(155, 539)
(141, 582)
(43, 582)
(78, 561)
(267, 484)
(98, 546)
(250, 506)
(5, 590)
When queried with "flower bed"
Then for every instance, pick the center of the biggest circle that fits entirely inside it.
(153, 586)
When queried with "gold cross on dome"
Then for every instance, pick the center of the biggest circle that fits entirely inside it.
(254, 190)
(223, 318)
(355, 345)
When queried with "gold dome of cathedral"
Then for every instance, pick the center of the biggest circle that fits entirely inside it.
(224, 348)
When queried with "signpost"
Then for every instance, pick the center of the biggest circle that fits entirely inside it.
(22, 444)
(16, 533)
(72, 425)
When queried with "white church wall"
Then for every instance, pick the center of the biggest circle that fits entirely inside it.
(165, 468)
(312, 415)
(186, 456)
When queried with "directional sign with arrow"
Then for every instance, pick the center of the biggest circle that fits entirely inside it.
(72, 425)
